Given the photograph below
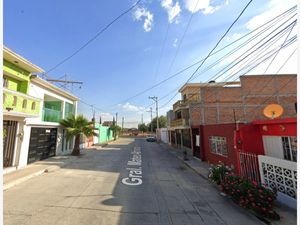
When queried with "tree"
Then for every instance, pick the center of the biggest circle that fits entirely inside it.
(162, 122)
(115, 129)
(77, 126)
(142, 127)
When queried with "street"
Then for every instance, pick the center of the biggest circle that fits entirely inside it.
(103, 186)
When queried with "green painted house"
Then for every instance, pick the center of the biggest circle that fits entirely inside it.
(18, 104)
(105, 134)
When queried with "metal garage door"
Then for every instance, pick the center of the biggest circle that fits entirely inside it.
(42, 143)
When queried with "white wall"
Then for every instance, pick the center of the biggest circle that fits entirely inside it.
(25, 147)
(163, 135)
(40, 92)
(273, 146)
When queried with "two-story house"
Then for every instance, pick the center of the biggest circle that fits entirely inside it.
(32, 109)
(18, 104)
(228, 125)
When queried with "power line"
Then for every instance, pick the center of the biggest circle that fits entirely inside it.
(94, 37)
(274, 20)
(278, 52)
(216, 45)
(235, 63)
(292, 40)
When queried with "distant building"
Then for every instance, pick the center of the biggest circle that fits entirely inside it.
(107, 123)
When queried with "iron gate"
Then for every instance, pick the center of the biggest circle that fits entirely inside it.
(42, 143)
(249, 167)
(9, 138)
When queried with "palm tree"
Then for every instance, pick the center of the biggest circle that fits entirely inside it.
(77, 126)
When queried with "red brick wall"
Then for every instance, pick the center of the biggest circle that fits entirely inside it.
(222, 130)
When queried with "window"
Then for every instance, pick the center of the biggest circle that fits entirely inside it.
(218, 145)
(289, 145)
(24, 105)
(15, 101)
(5, 82)
(33, 106)
(178, 115)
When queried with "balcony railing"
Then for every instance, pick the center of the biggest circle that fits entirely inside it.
(179, 123)
(50, 115)
(17, 102)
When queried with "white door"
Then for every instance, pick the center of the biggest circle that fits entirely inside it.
(273, 146)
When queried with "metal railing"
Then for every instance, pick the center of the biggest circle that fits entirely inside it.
(179, 123)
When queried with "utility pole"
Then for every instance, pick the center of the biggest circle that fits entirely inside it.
(122, 123)
(142, 118)
(65, 82)
(151, 119)
(93, 110)
(116, 118)
(154, 98)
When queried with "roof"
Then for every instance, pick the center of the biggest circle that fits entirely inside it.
(43, 83)
(212, 84)
(20, 61)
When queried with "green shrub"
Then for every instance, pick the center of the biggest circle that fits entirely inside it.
(218, 173)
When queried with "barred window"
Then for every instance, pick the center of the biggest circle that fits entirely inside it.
(289, 145)
(218, 145)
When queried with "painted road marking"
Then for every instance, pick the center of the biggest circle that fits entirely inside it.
(135, 168)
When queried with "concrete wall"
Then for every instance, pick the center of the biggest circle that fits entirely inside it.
(162, 135)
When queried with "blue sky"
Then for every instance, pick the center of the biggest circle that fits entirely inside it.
(135, 52)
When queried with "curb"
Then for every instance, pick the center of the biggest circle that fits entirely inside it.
(206, 178)
(50, 168)
(22, 179)
(185, 162)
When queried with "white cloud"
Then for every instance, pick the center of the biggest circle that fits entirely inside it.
(203, 5)
(275, 8)
(143, 13)
(131, 108)
(175, 43)
(105, 117)
(173, 10)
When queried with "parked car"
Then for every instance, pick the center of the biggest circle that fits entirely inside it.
(151, 139)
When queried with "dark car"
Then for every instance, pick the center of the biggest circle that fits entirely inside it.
(151, 139)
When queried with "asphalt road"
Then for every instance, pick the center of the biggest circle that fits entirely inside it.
(101, 188)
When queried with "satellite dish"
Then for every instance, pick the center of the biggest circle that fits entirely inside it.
(273, 111)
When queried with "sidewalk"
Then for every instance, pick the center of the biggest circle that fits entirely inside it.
(35, 169)
(288, 215)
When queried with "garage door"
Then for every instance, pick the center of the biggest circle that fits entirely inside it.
(42, 143)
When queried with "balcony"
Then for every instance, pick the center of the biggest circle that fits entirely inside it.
(179, 105)
(51, 115)
(20, 104)
(180, 123)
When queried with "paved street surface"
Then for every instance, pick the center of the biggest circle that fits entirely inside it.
(90, 191)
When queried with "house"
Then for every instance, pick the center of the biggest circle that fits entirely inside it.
(56, 104)
(32, 110)
(105, 134)
(227, 125)
(18, 104)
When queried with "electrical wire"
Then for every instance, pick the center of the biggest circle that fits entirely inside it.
(271, 21)
(216, 45)
(94, 37)
(235, 63)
